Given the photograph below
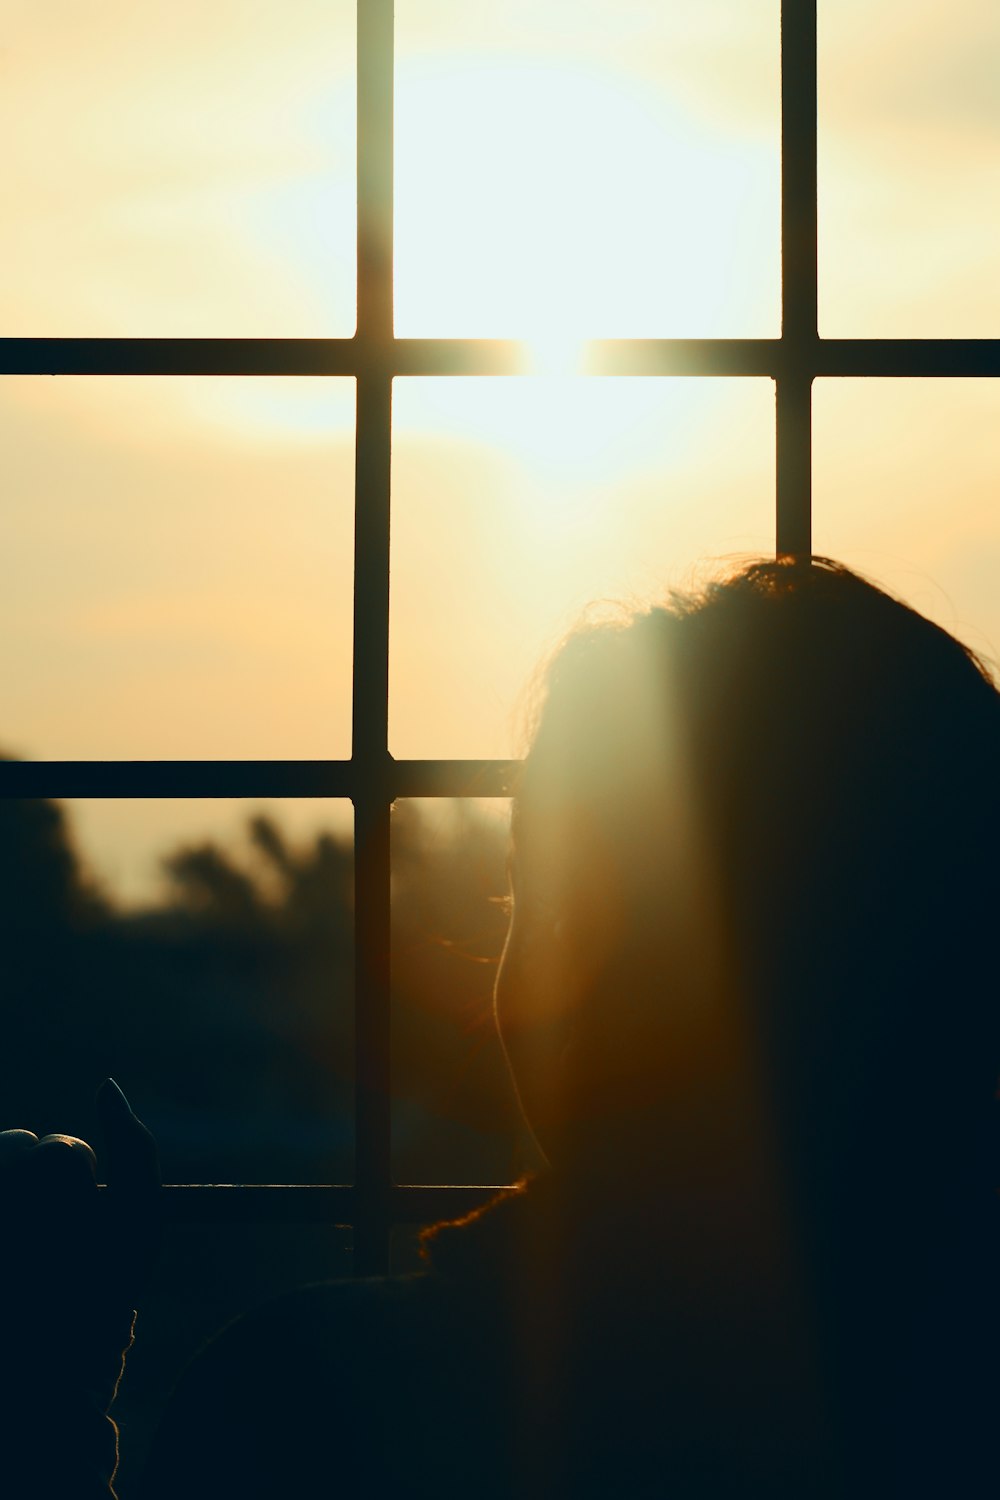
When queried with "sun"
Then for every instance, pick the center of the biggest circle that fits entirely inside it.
(556, 202)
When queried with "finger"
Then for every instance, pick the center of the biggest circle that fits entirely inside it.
(53, 1183)
(133, 1162)
(53, 1147)
(133, 1199)
(59, 1170)
(42, 1171)
(14, 1143)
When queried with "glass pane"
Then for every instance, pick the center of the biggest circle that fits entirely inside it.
(175, 567)
(587, 169)
(518, 502)
(454, 1116)
(909, 112)
(175, 168)
(202, 955)
(905, 486)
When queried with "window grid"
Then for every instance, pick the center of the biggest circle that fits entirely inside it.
(372, 778)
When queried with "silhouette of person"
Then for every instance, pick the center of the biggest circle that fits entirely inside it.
(749, 1001)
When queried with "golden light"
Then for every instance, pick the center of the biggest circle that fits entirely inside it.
(556, 202)
(564, 171)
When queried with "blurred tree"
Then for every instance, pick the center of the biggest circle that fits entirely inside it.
(206, 883)
(227, 1007)
(49, 910)
(42, 885)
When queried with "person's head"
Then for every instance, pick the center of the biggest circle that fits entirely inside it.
(754, 862)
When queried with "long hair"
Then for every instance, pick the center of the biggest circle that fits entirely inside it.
(784, 789)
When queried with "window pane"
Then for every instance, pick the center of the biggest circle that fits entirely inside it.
(905, 490)
(518, 502)
(454, 1117)
(175, 567)
(204, 962)
(176, 168)
(909, 113)
(587, 169)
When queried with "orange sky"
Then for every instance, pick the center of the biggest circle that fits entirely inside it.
(175, 554)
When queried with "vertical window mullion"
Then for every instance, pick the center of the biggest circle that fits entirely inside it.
(793, 467)
(371, 637)
(799, 297)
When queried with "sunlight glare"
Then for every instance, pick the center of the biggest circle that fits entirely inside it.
(556, 202)
(554, 350)
(559, 431)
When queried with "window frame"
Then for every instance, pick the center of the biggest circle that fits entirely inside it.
(372, 778)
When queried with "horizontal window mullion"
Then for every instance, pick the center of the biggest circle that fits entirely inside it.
(388, 356)
(181, 778)
(761, 357)
(256, 778)
(114, 356)
(416, 357)
(905, 358)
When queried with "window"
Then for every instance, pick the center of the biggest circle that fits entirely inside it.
(374, 358)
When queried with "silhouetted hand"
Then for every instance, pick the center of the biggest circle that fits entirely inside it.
(74, 1260)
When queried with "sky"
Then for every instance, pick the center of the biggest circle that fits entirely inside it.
(175, 554)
